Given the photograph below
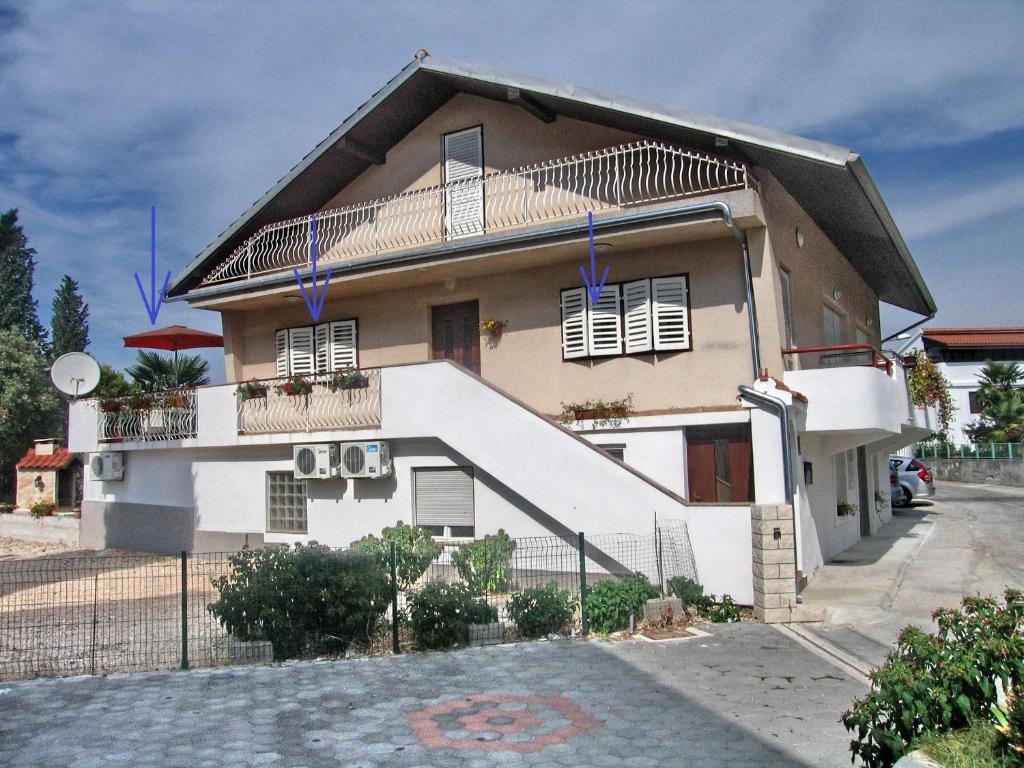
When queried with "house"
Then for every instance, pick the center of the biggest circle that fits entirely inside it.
(48, 474)
(740, 318)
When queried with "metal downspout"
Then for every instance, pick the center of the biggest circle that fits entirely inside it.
(739, 234)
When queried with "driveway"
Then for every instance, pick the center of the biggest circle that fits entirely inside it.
(745, 696)
(965, 540)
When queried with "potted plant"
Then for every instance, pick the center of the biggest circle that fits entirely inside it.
(111, 404)
(140, 402)
(42, 509)
(176, 398)
(493, 327)
(295, 386)
(348, 380)
(602, 412)
(251, 390)
(845, 510)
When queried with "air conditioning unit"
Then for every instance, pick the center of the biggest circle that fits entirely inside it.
(106, 466)
(370, 459)
(316, 462)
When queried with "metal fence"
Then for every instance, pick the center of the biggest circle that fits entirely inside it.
(974, 451)
(94, 614)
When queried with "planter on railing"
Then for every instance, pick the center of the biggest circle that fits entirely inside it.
(341, 400)
(158, 416)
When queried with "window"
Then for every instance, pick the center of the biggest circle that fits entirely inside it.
(787, 315)
(443, 501)
(463, 173)
(617, 451)
(974, 404)
(650, 315)
(286, 503)
(720, 463)
(320, 348)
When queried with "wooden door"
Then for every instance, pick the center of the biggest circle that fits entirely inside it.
(456, 334)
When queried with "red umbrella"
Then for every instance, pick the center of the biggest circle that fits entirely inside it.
(173, 338)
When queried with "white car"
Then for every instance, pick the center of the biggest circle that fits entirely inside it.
(909, 478)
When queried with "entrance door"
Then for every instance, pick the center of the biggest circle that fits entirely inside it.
(456, 334)
(720, 463)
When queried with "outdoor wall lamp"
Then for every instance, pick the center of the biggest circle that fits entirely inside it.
(799, 238)
(837, 294)
(38, 482)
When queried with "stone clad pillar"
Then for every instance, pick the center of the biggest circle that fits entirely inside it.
(774, 563)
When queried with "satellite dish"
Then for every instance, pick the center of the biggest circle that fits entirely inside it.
(75, 374)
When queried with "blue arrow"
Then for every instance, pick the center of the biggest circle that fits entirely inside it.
(593, 287)
(314, 303)
(154, 302)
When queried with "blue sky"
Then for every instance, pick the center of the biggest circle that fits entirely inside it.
(198, 108)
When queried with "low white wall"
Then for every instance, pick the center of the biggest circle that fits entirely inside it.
(58, 530)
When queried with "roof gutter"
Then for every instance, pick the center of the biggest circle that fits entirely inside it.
(912, 326)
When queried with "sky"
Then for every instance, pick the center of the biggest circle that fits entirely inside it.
(198, 108)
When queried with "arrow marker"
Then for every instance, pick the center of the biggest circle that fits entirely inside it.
(314, 303)
(154, 302)
(593, 287)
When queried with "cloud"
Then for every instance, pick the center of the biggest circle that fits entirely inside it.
(951, 211)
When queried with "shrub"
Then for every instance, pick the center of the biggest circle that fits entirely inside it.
(6, 509)
(441, 613)
(611, 601)
(303, 600)
(42, 509)
(1011, 726)
(485, 564)
(540, 611)
(723, 612)
(690, 593)
(939, 682)
(415, 547)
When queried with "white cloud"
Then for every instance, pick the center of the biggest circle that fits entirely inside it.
(924, 219)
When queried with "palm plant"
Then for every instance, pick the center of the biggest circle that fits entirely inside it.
(154, 372)
(1001, 398)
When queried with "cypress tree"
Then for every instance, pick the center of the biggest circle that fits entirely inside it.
(17, 269)
(69, 328)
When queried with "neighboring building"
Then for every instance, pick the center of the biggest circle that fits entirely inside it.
(961, 354)
(459, 194)
(48, 474)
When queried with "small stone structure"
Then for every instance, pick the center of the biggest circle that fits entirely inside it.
(654, 607)
(47, 474)
(774, 563)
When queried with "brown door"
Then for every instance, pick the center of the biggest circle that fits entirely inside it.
(456, 334)
(720, 463)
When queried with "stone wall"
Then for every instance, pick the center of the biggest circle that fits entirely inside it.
(774, 562)
(986, 471)
(28, 494)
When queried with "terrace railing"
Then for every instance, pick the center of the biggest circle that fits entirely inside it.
(972, 451)
(843, 356)
(326, 406)
(615, 177)
(160, 416)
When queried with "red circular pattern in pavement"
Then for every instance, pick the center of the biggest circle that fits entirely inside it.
(546, 720)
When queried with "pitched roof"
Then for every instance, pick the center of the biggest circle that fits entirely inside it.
(830, 182)
(59, 459)
(975, 337)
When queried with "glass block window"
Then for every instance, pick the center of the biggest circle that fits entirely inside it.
(286, 503)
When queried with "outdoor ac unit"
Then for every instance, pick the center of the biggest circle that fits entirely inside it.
(316, 462)
(371, 459)
(106, 466)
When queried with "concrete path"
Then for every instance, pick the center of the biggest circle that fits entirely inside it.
(966, 540)
(746, 696)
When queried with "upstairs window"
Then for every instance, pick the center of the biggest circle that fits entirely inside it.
(649, 315)
(322, 348)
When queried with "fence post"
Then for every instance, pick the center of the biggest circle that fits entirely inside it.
(184, 609)
(394, 599)
(584, 622)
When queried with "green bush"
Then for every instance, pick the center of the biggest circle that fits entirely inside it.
(610, 602)
(485, 565)
(938, 683)
(441, 613)
(415, 547)
(42, 509)
(721, 612)
(690, 593)
(1010, 729)
(305, 600)
(541, 611)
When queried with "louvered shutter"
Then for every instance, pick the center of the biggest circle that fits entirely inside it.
(344, 352)
(463, 175)
(787, 316)
(300, 351)
(444, 496)
(669, 313)
(574, 323)
(604, 327)
(322, 347)
(636, 304)
(281, 350)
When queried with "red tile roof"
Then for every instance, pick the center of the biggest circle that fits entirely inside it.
(59, 459)
(975, 337)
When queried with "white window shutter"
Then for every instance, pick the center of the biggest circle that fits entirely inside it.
(670, 313)
(463, 173)
(300, 351)
(604, 331)
(322, 346)
(636, 303)
(787, 316)
(344, 349)
(574, 323)
(281, 350)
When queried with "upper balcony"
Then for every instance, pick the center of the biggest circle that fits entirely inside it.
(619, 177)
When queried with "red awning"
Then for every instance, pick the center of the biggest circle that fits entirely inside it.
(173, 338)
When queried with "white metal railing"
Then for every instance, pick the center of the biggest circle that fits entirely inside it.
(324, 407)
(615, 177)
(145, 418)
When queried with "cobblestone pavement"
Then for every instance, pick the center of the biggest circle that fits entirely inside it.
(745, 696)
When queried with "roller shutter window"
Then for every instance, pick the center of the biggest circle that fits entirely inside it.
(574, 324)
(604, 329)
(670, 313)
(443, 501)
(463, 175)
(636, 309)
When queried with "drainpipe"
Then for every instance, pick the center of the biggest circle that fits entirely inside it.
(741, 236)
(911, 327)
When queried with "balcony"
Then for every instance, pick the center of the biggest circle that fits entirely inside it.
(158, 417)
(334, 401)
(614, 178)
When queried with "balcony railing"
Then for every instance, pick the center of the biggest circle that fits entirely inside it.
(844, 355)
(161, 416)
(616, 177)
(332, 402)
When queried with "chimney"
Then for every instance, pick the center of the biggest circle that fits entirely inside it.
(46, 447)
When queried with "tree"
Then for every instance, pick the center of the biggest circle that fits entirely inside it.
(1001, 399)
(154, 372)
(17, 269)
(69, 327)
(29, 405)
(112, 383)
